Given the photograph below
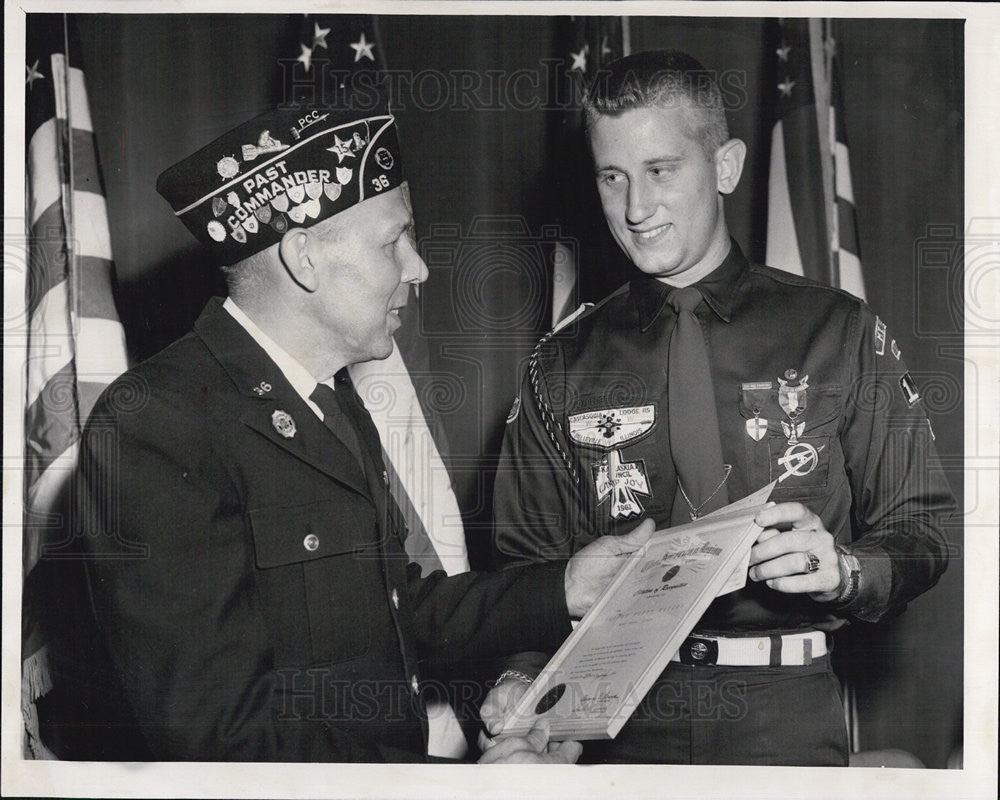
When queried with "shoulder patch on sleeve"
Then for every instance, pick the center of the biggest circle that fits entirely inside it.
(515, 409)
(879, 337)
(909, 387)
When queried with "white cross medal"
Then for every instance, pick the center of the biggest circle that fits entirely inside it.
(609, 430)
(754, 396)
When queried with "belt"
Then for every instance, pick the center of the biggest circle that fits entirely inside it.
(774, 650)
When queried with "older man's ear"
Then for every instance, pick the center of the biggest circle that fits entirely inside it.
(293, 250)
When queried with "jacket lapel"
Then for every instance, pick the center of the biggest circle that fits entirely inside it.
(269, 404)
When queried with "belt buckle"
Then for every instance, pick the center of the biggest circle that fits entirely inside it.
(698, 652)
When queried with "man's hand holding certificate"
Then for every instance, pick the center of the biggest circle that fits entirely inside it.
(594, 682)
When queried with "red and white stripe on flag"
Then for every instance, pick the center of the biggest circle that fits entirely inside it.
(418, 477)
(349, 45)
(75, 342)
(811, 221)
(392, 389)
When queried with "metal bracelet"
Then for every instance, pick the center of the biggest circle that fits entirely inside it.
(852, 567)
(515, 674)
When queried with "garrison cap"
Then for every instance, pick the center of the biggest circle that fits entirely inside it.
(290, 167)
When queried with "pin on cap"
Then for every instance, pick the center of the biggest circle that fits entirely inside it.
(287, 167)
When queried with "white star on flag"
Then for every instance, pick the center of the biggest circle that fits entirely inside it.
(306, 57)
(33, 74)
(783, 51)
(319, 36)
(811, 230)
(579, 60)
(362, 48)
(341, 148)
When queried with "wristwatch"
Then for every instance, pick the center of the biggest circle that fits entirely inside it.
(850, 575)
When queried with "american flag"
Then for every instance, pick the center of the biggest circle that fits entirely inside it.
(399, 391)
(811, 220)
(75, 343)
(587, 45)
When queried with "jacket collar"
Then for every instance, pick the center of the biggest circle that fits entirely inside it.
(268, 393)
(248, 366)
(719, 288)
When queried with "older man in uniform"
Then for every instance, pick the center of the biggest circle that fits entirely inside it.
(693, 386)
(246, 559)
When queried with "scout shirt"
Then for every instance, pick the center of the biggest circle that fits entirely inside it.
(810, 391)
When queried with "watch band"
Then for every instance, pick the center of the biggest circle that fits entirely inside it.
(515, 674)
(850, 570)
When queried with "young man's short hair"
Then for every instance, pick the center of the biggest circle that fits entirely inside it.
(662, 79)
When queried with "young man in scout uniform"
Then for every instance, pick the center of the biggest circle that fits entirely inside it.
(246, 559)
(696, 385)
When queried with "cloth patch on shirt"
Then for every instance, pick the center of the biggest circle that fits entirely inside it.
(609, 428)
(879, 337)
(910, 393)
(803, 463)
(623, 482)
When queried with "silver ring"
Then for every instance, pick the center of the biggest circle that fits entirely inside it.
(813, 564)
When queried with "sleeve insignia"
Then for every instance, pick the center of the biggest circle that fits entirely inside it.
(909, 387)
(879, 337)
(515, 409)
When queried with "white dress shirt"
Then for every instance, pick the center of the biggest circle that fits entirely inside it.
(297, 375)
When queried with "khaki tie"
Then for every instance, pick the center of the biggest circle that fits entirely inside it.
(694, 426)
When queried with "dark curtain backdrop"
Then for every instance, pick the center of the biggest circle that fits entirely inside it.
(487, 180)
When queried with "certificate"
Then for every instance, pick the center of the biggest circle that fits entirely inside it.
(594, 682)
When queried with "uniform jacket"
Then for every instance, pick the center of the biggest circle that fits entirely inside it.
(810, 390)
(248, 574)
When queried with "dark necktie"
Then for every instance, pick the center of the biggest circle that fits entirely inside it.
(694, 426)
(333, 405)
(348, 418)
(361, 421)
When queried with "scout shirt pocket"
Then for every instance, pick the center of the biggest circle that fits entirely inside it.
(309, 569)
(795, 449)
(618, 456)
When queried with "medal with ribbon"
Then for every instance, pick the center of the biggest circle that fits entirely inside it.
(800, 458)
(792, 399)
(754, 396)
